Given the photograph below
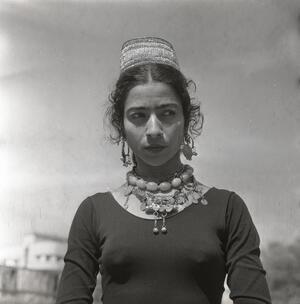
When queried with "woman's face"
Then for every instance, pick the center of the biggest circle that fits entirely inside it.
(153, 122)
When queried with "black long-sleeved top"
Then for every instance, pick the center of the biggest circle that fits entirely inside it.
(187, 265)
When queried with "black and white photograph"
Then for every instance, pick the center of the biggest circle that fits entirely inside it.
(149, 151)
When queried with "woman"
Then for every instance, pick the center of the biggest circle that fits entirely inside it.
(162, 237)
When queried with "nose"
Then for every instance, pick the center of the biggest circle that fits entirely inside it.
(153, 127)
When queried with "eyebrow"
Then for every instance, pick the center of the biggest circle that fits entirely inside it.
(163, 106)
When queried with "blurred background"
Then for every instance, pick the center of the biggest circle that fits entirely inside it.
(59, 60)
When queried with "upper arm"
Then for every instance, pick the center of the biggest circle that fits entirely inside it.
(246, 276)
(78, 279)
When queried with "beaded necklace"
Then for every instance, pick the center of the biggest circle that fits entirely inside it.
(156, 200)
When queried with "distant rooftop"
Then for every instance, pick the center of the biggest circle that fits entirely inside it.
(46, 236)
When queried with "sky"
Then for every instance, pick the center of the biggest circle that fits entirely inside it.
(59, 60)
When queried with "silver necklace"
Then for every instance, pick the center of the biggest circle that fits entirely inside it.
(162, 205)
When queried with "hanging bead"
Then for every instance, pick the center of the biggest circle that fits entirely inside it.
(169, 208)
(196, 195)
(204, 201)
(164, 229)
(155, 230)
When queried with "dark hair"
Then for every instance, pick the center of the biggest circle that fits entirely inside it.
(193, 118)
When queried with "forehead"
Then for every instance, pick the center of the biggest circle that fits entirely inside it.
(151, 95)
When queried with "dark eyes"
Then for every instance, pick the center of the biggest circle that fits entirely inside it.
(168, 113)
(137, 115)
(140, 115)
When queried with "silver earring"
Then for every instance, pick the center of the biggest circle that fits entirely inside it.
(125, 154)
(188, 148)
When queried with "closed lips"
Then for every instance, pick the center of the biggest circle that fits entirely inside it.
(154, 147)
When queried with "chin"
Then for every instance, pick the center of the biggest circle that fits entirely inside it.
(155, 163)
(157, 160)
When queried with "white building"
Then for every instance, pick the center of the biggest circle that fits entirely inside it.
(38, 251)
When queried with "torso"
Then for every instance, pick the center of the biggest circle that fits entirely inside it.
(188, 264)
(185, 265)
(134, 204)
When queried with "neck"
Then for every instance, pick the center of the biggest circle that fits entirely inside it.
(158, 173)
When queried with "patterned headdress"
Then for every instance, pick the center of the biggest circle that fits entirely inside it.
(147, 50)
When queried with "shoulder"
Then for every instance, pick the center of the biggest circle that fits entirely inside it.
(94, 202)
(99, 197)
(227, 203)
(232, 210)
(218, 197)
(224, 196)
(92, 209)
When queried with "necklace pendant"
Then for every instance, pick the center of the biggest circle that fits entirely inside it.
(204, 201)
(164, 230)
(155, 230)
(160, 200)
(155, 207)
(169, 208)
(162, 209)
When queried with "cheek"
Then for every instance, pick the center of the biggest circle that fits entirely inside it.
(128, 129)
(132, 135)
(178, 131)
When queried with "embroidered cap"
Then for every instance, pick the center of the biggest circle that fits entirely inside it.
(147, 50)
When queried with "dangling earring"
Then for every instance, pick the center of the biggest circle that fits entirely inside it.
(125, 158)
(188, 147)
